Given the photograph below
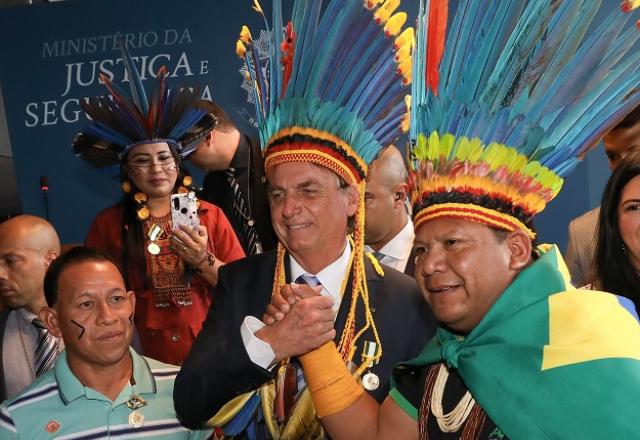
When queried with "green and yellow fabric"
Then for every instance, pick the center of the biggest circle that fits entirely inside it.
(544, 356)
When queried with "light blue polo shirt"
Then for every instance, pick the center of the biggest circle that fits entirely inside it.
(58, 406)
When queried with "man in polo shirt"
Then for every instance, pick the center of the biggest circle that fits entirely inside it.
(99, 387)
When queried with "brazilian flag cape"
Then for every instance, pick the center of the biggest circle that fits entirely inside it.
(548, 361)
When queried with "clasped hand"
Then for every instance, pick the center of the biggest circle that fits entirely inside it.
(298, 320)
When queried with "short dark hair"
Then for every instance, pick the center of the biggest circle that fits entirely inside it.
(76, 255)
(630, 120)
(225, 123)
(612, 270)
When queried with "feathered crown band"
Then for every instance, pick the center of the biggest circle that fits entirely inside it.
(509, 100)
(123, 121)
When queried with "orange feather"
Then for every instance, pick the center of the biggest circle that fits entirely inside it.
(438, 15)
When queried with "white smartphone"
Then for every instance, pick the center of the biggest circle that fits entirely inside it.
(184, 210)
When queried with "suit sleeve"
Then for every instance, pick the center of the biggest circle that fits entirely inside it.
(218, 367)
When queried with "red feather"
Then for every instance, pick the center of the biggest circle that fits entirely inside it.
(438, 15)
(288, 47)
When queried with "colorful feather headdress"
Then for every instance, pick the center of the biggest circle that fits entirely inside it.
(506, 103)
(121, 123)
(333, 95)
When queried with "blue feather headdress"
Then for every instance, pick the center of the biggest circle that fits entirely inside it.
(334, 95)
(507, 101)
(121, 122)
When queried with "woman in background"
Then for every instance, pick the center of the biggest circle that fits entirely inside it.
(171, 270)
(616, 266)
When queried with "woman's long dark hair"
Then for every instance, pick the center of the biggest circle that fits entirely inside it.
(134, 262)
(612, 269)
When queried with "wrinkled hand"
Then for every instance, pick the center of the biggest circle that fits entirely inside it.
(289, 294)
(190, 244)
(306, 326)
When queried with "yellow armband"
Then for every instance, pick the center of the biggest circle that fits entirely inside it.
(332, 386)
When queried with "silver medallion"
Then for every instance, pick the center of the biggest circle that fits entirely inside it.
(370, 381)
(251, 222)
(153, 248)
(136, 419)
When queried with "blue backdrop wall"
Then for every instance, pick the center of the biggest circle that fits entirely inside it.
(50, 58)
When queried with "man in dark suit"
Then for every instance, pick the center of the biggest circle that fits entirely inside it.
(236, 181)
(28, 245)
(236, 353)
(388, 226)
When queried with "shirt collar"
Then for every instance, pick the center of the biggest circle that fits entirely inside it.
(240, 159)
(25, 315)
(71, 388)
(331, 277)
(397, 248)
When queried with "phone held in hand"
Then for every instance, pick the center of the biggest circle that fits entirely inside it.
(184, 210)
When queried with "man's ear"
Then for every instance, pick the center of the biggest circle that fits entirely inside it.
(399, 194)
(49, 256)
(352, 200)
(50, 318)
(132, 298)
(520, 248)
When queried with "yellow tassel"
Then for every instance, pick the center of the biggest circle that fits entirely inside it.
(385, 11)
(404, 66)
(376, 264)
(406, 37)
(394, 24)
(241, 51)
(371, 4)
(257, 7)
(245, 35)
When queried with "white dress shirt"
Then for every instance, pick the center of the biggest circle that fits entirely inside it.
(331, 278)
(397, 251)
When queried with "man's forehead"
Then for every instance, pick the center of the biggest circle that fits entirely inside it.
(622, 139)
(442, 227)
(298, 174)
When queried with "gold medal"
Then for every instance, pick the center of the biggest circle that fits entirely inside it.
(136, 419)
(154, 233)
(370, 381)
(153, 248)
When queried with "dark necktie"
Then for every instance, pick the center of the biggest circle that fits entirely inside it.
(46, 348)
(243, 215)
(292, 382)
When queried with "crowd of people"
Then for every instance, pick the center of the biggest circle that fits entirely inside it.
(328, 286)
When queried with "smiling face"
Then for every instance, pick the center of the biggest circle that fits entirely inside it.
(93, 315)
(152, 168)
(310, 212)
(462, 268)
(629, 220)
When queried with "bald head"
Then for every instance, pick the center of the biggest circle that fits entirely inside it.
(388, 169)
(31, 232)
(28, 244)
(386, 213)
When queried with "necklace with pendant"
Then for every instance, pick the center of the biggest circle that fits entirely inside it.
(135, 402)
